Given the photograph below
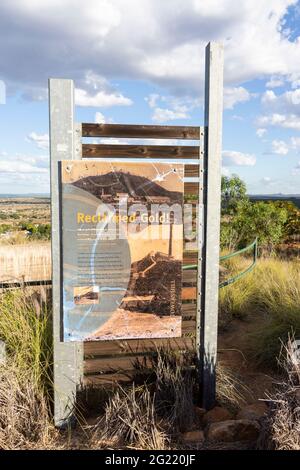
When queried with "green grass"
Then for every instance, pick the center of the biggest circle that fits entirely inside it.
(26, 330)
(272, 290)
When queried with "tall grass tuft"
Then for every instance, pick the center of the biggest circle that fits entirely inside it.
(26, 330)
(24, 418)
(281, 428)
(271, 291)
(130, 419)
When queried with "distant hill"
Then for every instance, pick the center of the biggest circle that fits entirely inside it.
(294, 198)
(116, 182)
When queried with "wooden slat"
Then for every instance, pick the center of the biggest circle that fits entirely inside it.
(190, 257)
(189, 293)
(139, 151)
(121, 362)
(140, 131)
(189, 276)
(191, 188)
(191, 171)
(105, 348)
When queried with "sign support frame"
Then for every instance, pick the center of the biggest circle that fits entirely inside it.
(65, 144)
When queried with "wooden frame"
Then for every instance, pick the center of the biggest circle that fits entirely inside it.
(76, 363)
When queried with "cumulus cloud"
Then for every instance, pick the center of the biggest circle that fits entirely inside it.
(295, 143)
(287, 121)
(101, 99)
(275, 81)
(24, 164)
(235, 95)
(280, 147)
(231, 158)
(40, 140)
(174, 108)
(116, 37)
(281, 110)
(164, 114)
(99, 118)
(260, 132)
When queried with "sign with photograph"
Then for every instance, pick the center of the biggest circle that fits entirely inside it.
(122, 249)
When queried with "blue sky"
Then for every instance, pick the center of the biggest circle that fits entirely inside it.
(142, 61)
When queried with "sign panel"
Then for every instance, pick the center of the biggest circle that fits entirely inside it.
(122, 249)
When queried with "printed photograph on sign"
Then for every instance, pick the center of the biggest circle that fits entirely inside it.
(122, 250)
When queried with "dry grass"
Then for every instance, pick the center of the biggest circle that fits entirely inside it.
(174, 389)
(272, 290)
(27, 261)
(24, 416)
(282, 427)
(230, 389)
(154, 414)
(130, 419)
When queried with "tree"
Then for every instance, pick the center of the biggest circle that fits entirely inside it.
(233, 192)
(264, 220)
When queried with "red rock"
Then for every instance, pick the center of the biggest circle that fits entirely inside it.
(193, 437)
(215, 415)
(233, 430)
(254, 411)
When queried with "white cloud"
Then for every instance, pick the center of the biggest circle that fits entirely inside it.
(164, 114)
(287, 121)
(175, 108)
(152, 99)
(281, 110)
(99, 118)
(40, 140)
(231, 158)
(295, 143)
(234, 95)
(117, 37)
(280, 147)
(225, 171)
(20, 167)
(260, 132)
(275, 81)
(101, 98)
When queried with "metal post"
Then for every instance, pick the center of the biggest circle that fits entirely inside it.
(211, 221)
(64, 144)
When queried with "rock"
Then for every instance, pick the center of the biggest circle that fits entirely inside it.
(254, 411)
(234, 430)
(215, 415)
(193, 437)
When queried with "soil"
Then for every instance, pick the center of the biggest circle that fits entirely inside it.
(233, 351)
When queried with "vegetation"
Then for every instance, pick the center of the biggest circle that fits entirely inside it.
(37, 231)
(242, 220)
(282, 426)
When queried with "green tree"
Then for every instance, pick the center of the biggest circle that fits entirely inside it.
(264, 220)
(233, 192)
